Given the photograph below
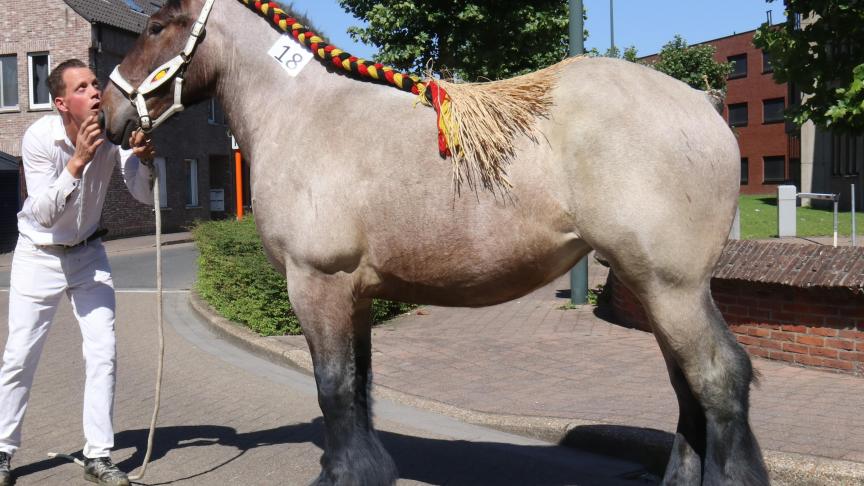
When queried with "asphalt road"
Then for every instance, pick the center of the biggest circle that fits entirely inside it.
(229, 417)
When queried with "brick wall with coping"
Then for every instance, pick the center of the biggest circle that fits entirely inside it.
(800, 304)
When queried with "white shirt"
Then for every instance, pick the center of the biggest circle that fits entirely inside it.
(63, 210)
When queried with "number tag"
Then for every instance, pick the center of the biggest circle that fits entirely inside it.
(290, 54)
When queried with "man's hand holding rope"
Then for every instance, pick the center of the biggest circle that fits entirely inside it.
(142, 147)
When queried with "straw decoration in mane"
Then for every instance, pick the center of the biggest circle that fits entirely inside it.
(350, 198)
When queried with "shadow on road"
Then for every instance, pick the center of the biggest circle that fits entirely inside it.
(433, 461)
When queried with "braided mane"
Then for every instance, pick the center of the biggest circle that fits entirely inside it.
(478, 123)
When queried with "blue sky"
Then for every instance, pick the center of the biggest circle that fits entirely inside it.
(641, 23)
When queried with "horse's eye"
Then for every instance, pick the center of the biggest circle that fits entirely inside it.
(155, 29)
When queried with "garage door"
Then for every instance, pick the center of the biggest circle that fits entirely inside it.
(8, 210)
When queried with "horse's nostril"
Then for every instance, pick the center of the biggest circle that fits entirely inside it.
(102, 119)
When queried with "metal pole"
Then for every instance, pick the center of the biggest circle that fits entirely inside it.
(611, 26)
(577, 28)
(854, 236)
(836, 203)
(579, 273)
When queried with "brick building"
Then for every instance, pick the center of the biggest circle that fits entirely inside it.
(194, 148)
(770, 149)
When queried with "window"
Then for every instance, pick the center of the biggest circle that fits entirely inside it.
(38, 69)
(738, 115)
(745, 171)
(772, 110)
(846, 151)
(739, 66)
(215, 115)
(191, 182)
(8, 82)
(766, 63)
(774, 169)
(163, 186)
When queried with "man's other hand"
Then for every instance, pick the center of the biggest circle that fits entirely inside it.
(142, 147)
(88, 140)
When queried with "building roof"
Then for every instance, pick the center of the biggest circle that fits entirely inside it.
(8, 162)
(128, 15)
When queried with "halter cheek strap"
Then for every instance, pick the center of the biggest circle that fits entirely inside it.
(173, 69)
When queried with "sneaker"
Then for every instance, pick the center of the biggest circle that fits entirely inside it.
(5, 473)
(103, 472)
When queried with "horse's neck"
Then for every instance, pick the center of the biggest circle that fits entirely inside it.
(257, 95)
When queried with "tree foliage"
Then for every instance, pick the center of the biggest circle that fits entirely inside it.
(473, 40)
(630, 53)
(824, 59)
(692, 64)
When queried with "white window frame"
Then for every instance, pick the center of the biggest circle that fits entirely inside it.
(212, 112)
(35, 106)
(163, 184)
(16, 106)
(192, 200)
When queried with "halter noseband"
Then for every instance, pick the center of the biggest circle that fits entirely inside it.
(175, 68)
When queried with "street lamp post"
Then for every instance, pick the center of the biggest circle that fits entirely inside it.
(579, 273)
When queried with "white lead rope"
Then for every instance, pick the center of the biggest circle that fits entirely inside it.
(157, 210)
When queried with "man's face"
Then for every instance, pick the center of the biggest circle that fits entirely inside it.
(83, 96)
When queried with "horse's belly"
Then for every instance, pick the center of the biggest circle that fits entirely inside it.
(453, 276)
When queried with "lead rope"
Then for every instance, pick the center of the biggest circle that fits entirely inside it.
(157, 210)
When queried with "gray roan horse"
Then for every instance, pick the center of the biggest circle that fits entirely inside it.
(353, 202)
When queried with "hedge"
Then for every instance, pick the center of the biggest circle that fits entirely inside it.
(236, 279)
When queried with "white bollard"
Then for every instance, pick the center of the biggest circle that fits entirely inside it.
(787, 197)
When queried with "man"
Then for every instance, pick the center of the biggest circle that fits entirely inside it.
(67, 166)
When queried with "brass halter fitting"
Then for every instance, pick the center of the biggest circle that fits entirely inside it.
(173, 69)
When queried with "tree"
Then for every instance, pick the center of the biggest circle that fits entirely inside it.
(473, 40)
(692, 64)
(630, 53)
(824, 59)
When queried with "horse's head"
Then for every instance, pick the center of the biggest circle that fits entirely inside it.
(159, 75)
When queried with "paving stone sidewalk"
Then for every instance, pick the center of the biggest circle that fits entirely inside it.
(532, 358)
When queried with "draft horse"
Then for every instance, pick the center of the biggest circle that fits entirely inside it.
(353, 202)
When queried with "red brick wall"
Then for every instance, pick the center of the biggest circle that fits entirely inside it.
(819, 327)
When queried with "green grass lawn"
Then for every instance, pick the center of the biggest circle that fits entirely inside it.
(759, 219)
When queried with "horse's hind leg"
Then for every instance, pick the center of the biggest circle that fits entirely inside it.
(711, 375)
(337, 327)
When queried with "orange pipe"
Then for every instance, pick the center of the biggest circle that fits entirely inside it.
(238, 171)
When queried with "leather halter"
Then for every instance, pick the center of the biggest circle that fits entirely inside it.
(173, 69)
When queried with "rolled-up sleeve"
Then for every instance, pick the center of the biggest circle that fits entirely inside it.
(50, 192)
(138, 177)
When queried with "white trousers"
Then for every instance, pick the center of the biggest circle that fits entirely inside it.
(40, 276)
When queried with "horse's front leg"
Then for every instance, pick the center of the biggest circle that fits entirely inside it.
(337, 326)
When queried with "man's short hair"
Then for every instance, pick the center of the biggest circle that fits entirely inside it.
(56, 86)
